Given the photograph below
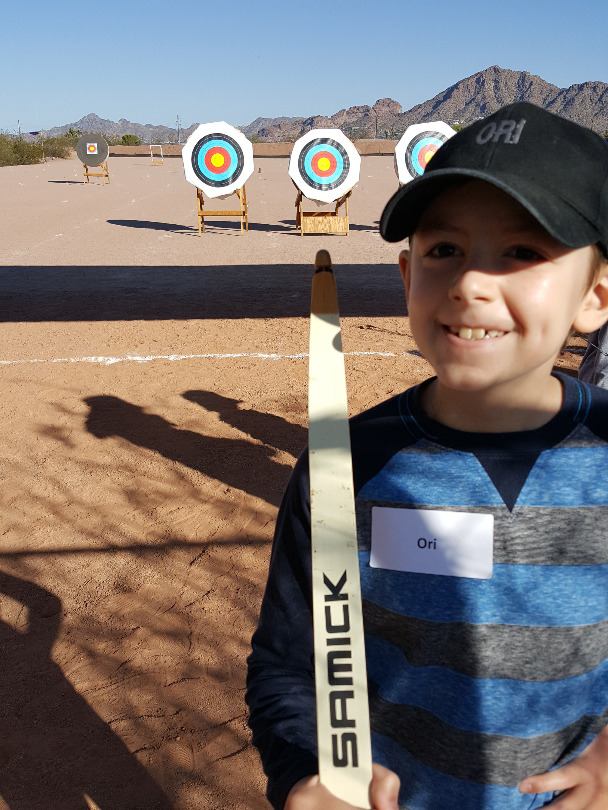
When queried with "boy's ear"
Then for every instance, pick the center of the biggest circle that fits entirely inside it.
(593, 311)
(404, 265)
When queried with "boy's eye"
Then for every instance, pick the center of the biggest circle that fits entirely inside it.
(525, 254)
(443, 250)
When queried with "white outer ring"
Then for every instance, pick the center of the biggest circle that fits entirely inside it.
(352, 178)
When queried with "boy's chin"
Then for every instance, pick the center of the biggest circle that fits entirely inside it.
(467, 382)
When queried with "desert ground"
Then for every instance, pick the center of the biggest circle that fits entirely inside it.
(153, 395)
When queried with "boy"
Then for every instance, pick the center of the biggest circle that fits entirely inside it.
(489, 684)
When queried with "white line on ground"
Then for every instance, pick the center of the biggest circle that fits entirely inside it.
(134, 358)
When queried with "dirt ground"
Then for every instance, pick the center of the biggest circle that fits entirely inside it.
(153, 402)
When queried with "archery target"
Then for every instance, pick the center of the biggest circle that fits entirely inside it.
(417, 147)
(324, 165)
(217, 159)
(92, 149)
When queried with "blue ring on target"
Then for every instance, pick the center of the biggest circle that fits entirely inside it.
(416, 145)
(235, 167)
(307, 172)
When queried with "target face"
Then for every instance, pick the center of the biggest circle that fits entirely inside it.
(217, 159)
(324, 165)
(92, 149)
(417, 147)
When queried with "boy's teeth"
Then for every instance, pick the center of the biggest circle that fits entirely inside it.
(466, 333)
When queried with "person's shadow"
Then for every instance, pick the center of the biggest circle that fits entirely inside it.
(236, 462)
(56, 753)
(273, 430)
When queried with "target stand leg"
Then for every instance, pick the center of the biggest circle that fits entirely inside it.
(241, 213)
(299, 212)
(103, 173)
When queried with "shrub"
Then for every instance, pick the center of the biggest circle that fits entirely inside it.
(15, 151)
(59, 147)
(130, 140)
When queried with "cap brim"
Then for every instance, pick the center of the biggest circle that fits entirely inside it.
(404, 209)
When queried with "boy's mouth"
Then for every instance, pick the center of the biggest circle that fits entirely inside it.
(477, 333)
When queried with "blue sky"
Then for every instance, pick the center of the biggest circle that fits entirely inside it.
(150, 62)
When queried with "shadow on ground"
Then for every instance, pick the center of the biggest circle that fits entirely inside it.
(54, 749)
(237, 462)
(101, 293)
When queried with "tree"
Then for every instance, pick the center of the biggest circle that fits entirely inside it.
(130, 140)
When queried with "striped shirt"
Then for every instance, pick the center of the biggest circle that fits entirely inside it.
(474, 683)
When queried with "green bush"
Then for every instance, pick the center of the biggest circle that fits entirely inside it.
(15, 151)
(130, 140)
(59, 147)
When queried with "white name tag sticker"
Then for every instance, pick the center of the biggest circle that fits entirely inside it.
(430, 541)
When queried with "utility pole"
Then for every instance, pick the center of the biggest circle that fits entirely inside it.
(178, 128)
(375, 114)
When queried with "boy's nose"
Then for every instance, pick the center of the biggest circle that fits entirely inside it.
(473, 284)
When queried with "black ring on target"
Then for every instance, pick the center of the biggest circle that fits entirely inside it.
(208, 154)
(420, 150)
(336, 156)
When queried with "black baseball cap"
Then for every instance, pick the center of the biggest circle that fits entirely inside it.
(556, 169)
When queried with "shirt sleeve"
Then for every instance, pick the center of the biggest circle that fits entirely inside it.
(280, 680)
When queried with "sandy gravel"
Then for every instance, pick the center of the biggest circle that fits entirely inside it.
(153, 402)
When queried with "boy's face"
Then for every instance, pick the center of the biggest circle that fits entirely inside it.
(492, 296)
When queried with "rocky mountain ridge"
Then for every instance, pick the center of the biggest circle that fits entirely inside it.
(464, 102)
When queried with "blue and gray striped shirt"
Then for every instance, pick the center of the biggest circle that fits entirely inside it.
(474, 683)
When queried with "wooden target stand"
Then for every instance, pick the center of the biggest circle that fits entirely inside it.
(241, 213)
(322, 221)
(157, 159)
(103, 173)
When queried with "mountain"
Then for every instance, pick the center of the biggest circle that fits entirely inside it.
(361, 121)
(484, 92)
(147, 133)
(462, 103)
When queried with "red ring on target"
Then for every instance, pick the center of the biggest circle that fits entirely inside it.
(219, 167)
(330, 167)
(426, 154)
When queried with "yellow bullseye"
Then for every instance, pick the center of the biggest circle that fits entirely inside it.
(324, 164)
(217, 160)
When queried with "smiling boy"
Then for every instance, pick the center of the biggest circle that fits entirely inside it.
(487, 653)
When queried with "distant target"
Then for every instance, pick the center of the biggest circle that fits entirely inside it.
(92, 149)
(217, 159)
(417, 147)
(324, 165)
